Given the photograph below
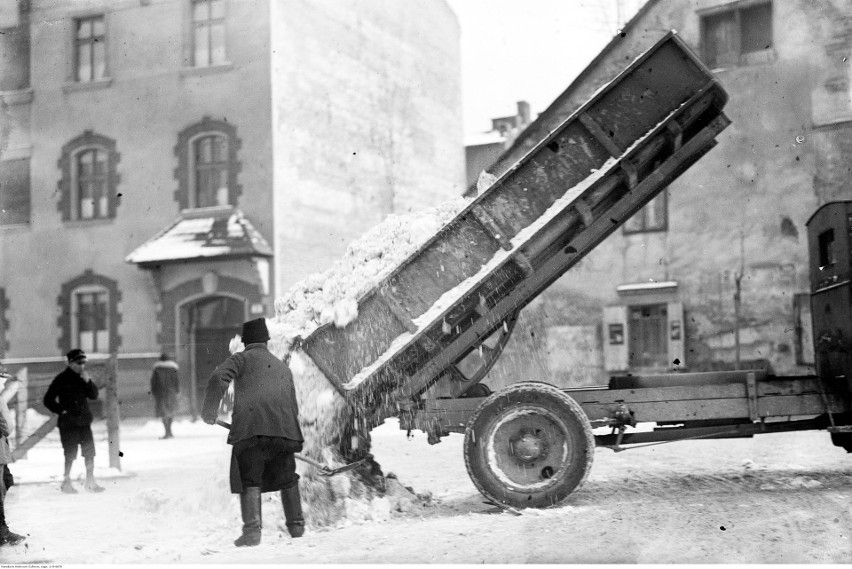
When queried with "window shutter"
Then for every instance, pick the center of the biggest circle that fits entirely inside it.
(615, 338)
(676, 336)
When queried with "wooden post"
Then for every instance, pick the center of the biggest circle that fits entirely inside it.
(21, 404)
(112, 415)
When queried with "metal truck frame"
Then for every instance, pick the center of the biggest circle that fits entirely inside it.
(429, 333)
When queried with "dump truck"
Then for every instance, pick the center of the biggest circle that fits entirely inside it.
(427, 334)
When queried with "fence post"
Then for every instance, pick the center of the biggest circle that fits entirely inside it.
(112, 415)
(21, 403)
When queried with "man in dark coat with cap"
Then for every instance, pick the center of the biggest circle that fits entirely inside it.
(68, 396)
(265, 430)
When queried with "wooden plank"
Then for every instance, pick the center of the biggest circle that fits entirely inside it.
(34, 438)
(600, 135)
(113, 417)
(21, 404)
(398, 311)
(490, 226)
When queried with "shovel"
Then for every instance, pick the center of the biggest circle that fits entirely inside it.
(323, 469)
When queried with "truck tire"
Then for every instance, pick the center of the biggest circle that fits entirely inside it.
(528, 446)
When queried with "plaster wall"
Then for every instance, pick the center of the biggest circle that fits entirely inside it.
(366, 121)
(742, 208)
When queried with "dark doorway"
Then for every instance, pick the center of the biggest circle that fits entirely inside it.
(211, 323)
(647, 331)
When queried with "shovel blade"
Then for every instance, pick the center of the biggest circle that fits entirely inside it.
(345, 468)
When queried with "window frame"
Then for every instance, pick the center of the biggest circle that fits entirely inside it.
(76, 331)
(209, 23)
(70, 202)
(77, 181)
(195, 170)
(738, 57)
(92, 42)
(185, 173)
(661, 200)
(68, 310)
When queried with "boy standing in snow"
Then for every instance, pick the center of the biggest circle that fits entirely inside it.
(265, 430)
(7, 537)
(67, 397)
(165, 388)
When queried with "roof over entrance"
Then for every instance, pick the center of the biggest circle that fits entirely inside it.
(206, 233)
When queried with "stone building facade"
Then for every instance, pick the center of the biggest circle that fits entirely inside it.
(736, 219)
(167, 167)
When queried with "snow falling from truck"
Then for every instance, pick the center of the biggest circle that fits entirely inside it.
(334, 431)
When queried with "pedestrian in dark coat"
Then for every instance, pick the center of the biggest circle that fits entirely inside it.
(165, 387)
(7, 536)
(68, 397)
(265, 430)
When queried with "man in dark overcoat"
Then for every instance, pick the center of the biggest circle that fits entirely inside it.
(68, 397)
(265, 431)
(165, 387)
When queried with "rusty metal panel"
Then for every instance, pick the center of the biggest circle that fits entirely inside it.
(458, 254)
(340, 353)
(661, 81)
(537, 183)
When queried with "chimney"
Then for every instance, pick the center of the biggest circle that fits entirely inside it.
(524, 113)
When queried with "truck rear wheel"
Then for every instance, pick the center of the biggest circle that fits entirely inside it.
(528, 446)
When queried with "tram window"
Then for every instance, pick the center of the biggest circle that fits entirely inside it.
(826, 248)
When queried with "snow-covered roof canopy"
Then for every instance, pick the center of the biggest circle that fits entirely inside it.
(204, 233)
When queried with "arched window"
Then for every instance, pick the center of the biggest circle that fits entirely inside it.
(89, 183)
(210, 171)
(90, 319)
(207, 165)
(89, 314)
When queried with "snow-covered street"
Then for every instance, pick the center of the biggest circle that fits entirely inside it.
(773, 499)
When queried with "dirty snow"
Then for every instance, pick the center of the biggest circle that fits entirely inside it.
(781, 498)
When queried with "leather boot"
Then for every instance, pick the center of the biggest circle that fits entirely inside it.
(292, 502)
(7, 537)
(250, 510)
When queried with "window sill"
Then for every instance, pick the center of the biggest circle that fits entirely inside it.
(644, 231)
(73, 86)
(88, 222)
(22, 97)
(209, 70)
(24, 226)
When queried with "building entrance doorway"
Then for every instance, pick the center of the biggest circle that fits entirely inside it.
(208, 324)
(647, 332)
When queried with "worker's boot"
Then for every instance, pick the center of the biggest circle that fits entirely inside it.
(7, 537)
(250, 510)
(292, 502)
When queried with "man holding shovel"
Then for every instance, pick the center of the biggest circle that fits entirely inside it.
(265, 431)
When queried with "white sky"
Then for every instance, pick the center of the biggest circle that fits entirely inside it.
(528, 50)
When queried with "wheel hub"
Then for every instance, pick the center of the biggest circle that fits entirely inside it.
(528, 447)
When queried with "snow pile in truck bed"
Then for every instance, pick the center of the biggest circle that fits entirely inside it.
(332, 296)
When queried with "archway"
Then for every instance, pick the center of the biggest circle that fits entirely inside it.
(207, 325)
